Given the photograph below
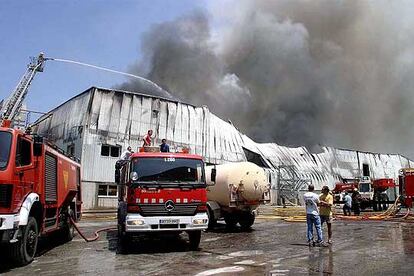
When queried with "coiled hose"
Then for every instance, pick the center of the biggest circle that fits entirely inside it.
(391, 214)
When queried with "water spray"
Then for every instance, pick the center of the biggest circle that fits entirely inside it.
(111, 71)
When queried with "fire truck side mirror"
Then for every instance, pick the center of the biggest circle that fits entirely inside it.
(213, 175)
(38, 146)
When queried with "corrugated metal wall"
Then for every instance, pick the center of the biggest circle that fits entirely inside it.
(102, 116)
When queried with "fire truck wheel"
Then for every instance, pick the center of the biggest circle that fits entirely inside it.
(123, 241)
(68, 232)
(231, 220)
(385, 200)
(23, 251)
(194, 237)
(246, 220)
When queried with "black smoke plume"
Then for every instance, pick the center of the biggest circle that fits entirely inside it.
(336, 73)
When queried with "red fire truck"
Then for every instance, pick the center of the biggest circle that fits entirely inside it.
(39, 190)
(162, 192)
(372, 192)
(406, 186)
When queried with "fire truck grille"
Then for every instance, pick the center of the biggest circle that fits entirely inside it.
(5, 195)
(159, 210)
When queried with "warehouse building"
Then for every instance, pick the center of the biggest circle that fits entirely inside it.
(98, 124)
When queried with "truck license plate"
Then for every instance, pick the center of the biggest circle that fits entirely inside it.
(169, 221)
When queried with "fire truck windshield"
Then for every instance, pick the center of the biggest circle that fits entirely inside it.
(168, 171)
(364, 187)
(5, 142)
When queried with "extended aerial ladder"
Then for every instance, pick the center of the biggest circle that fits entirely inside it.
(11, 107)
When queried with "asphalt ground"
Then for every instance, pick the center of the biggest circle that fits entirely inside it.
(272, 247)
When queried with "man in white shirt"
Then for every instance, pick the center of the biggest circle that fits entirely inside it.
(312, 216)
(348, 204)
(126, 154)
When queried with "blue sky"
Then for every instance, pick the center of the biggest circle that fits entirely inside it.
(103, 33)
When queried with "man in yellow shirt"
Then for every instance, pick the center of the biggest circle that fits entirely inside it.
(325, 210)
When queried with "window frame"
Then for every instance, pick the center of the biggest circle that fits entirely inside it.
(18, 145)
(110, 150)
(107, 191)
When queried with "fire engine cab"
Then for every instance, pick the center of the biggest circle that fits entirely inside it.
(160, 192)
(406, 186)
(39, 191)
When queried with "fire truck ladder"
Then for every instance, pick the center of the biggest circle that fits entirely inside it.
(11, 107)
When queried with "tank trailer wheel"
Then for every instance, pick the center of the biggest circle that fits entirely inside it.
(195, 238)
(231, 220)
(23, 251)
(246, 220)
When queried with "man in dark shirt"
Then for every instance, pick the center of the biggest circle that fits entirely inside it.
(164, 147)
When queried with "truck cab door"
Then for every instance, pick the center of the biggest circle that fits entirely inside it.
(24, 167)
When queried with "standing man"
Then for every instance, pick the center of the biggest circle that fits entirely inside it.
(164, 147)
(356, 202)
(312, 216)
(325, 210)
(348, 204)
(147, 138)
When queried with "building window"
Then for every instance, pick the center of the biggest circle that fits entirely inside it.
(255, 158)
(109, 150)
(365, 169)
(107, 190)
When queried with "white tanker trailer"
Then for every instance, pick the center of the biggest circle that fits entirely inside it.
(239, 189)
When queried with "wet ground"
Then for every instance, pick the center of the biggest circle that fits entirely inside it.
(272, 247)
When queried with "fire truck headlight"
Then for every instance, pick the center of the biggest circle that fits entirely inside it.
(200, 221)
(134, 176)
(135, 222)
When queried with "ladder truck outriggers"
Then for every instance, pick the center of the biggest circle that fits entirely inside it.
(39, 185)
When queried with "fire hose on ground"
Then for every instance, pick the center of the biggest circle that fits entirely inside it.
(391, 214)
(96, 233)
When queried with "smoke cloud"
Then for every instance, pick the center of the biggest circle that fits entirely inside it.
(336, 73)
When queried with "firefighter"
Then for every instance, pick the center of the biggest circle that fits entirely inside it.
(356, 202)
(147, 138)
(126, 154)
(164, 147)
(347, 205)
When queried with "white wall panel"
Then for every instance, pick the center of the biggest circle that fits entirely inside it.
(123, 130)
(136, 117)
(105, 111)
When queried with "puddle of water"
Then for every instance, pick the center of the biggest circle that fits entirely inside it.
(211, 239)
(224, 257)
(245, 262)
(278, 260)
(246, 253)
(228, 269)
